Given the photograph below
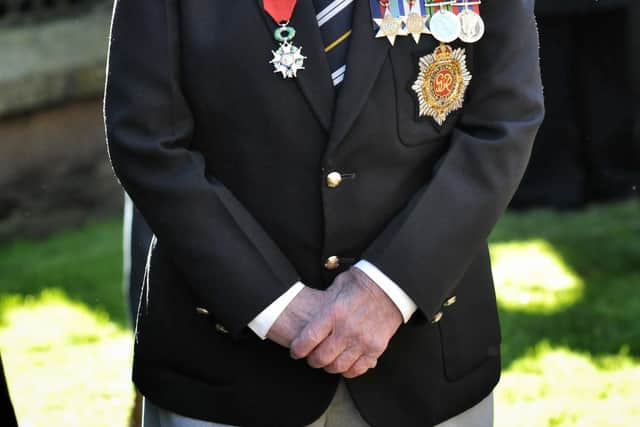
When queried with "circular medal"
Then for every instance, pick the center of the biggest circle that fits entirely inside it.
(445, 26)
(471, 26)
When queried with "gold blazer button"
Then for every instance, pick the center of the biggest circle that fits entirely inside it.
(332, 263)
(450, 301)
(221, 329)
(334, 179)
(437, 317)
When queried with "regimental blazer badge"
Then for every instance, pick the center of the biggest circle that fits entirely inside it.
(442, 81)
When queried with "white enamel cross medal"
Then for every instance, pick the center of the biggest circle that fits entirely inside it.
(288, 58)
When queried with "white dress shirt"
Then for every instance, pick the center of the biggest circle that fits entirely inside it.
(263, 321)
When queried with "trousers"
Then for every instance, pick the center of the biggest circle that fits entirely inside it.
(341, 412)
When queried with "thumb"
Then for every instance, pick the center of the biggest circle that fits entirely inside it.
(312, 335)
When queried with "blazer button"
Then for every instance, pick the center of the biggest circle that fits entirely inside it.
(334, 179)
(332, 263)
(450, 301)
(437, 317)
(221, 329)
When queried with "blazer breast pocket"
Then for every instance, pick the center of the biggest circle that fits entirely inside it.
(414, 129)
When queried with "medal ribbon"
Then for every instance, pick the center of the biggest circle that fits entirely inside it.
(467, 4)
(454, 6)
(280, 10)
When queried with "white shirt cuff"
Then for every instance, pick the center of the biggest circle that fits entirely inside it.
(399, 297)
(267, 317)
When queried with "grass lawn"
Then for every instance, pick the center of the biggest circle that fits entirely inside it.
(568, 286)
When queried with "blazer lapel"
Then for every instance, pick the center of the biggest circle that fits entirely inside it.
(364, 61)
(315, 80)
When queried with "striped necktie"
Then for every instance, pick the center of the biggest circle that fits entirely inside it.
(334, 19)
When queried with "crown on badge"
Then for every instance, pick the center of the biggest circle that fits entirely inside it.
(443, 51)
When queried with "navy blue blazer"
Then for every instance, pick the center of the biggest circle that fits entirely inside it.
(228, 163)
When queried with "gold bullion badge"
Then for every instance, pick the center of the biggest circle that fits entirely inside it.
(442, 81)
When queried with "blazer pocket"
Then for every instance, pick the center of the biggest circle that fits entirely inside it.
(469, 326)
(413, 129)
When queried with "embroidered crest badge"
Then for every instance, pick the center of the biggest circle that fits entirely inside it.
(442, 81)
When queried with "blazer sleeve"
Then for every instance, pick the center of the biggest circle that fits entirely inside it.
(224, 255)
(427, 247)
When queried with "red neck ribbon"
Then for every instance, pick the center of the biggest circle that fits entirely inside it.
(280, 10)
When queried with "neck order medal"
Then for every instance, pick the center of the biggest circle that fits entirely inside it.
(287, 59)
(441, 84)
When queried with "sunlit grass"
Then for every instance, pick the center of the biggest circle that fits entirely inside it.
(63, 335)
(532, 276)
(555, 386)
(67, 365)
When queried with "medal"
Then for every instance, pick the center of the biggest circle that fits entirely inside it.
(471, 24)
(444, 25)
(416, 23)
(390, 26)
(442, 81)
(288, 58)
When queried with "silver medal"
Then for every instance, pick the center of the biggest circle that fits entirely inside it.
(445, 26)
(288, 58)
(471, 26)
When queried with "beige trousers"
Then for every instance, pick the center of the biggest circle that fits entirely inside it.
(342, 412)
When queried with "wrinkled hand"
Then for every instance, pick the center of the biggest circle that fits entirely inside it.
(296, 316)
(352, 330)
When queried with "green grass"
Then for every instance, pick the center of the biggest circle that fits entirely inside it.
(568, 286)
(63, 333)
(567, 283)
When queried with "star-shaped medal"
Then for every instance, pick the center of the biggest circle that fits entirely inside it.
(288, 60)
(390, 27)
(416, 25)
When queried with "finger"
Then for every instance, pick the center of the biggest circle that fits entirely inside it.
(343, 362)
(311, 336)
(327, 351)
(362, 365)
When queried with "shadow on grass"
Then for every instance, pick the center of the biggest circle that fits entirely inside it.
(601, 245)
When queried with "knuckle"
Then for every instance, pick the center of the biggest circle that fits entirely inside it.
(319, 360)
(313, 362)
(377, 345)
(341, 365)
(313, 335)
(296, 350)
(361, 367)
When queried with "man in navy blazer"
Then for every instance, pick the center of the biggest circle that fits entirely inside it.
(310, 243)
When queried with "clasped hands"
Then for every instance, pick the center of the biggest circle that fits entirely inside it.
(343, 330)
